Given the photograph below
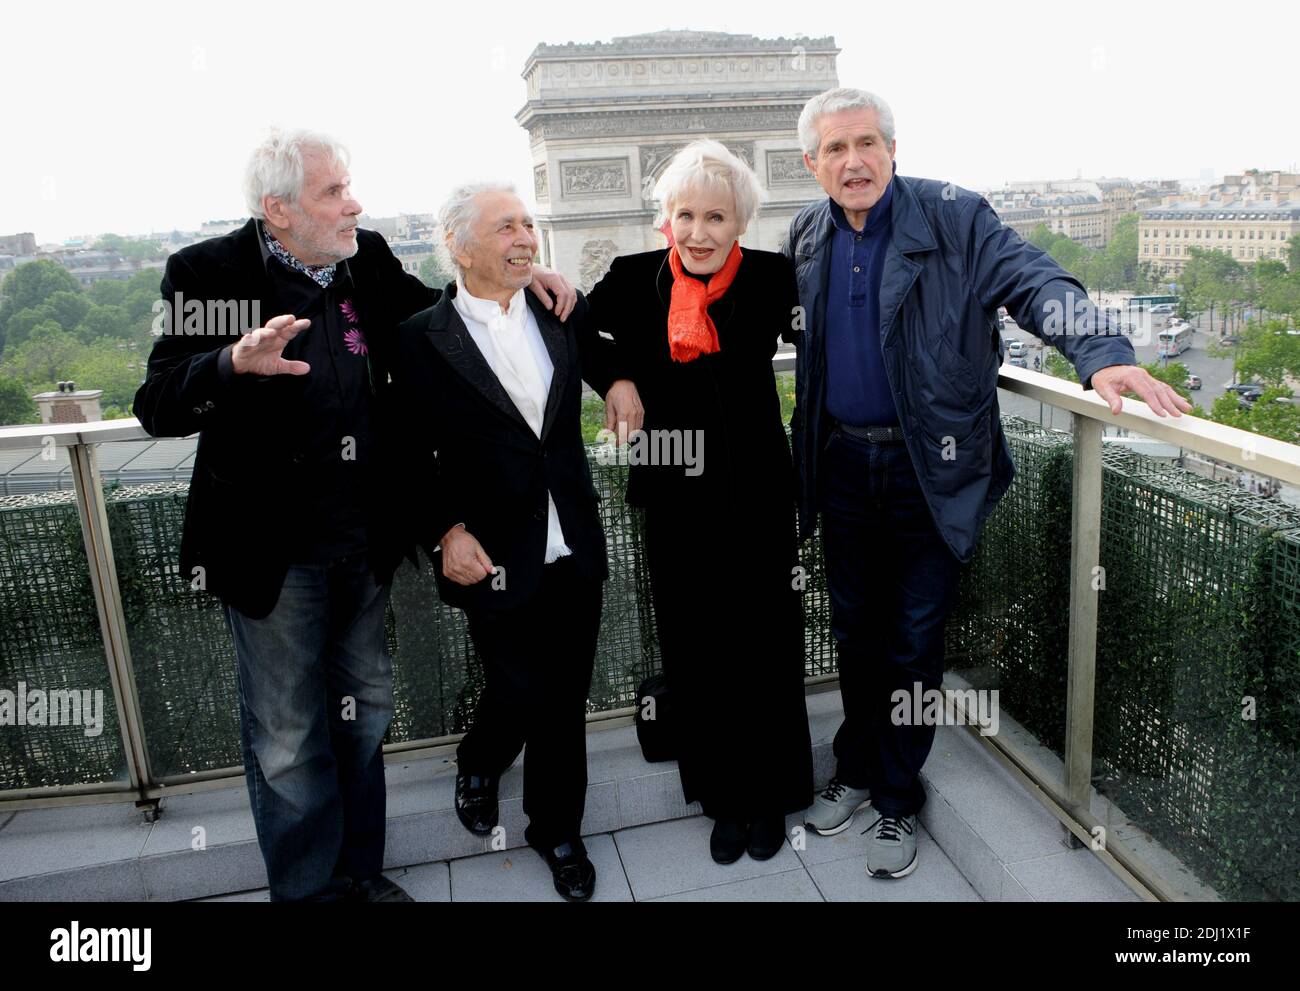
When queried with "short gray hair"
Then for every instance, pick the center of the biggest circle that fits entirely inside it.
(708, 164)
(275, 168)
(458, 214)
(835, 101)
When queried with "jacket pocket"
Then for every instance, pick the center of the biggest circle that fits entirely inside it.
(958, 372)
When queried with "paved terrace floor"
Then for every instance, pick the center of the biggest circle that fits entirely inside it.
(983, 838)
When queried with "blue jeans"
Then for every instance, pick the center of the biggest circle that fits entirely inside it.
(892, 583)
(315, 699)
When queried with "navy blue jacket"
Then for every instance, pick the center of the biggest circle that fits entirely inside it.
(950, 264)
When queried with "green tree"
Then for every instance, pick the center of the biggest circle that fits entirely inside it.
(28, 286)
(1272, 415)
(147, 279)
(1266, 353)
(105, 321)
(109, 292)
(1042, 237)
(110, 366)
(44, 358)
(22, 323)
(1210, 280)
(16, 405)
(1279, 289)
(1117, 266)
(433, 274)
(1068, 253)
(1057, 364)
(139, 305)
(67, 308)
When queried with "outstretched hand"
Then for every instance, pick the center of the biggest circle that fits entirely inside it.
(262, 351)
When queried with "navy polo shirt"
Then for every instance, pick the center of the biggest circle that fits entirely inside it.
(857, 388)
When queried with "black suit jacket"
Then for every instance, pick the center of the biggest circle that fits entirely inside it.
(247, 478)
(480, 462)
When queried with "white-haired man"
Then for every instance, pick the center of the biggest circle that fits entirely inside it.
(498, 380)
(897, 439)
(291, 517)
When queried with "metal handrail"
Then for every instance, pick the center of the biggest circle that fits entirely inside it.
(1264, 455)
(1069, 800)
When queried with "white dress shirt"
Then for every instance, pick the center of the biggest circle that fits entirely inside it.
(513, 346)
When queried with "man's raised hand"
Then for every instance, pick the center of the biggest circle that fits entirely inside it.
(262, 351)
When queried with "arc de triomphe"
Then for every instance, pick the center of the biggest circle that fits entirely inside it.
(603, 119)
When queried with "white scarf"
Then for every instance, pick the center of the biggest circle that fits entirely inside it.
(514, 362)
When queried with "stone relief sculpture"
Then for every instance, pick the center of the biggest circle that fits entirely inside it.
(597, 256)
(786, 167)
(586, 178)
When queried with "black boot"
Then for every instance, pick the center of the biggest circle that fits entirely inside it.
(728, 840)
(766, 835)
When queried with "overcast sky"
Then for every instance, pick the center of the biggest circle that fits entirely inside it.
(132, 117)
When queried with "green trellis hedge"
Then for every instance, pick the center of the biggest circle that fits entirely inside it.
(1201, 609)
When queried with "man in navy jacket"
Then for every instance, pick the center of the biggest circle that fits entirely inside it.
(896, 435)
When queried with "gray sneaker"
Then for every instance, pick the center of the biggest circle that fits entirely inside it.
(891, 846)
(832, 810)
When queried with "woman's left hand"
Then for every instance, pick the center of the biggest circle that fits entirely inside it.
(623, 409)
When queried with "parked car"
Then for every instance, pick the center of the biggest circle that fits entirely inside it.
(1193, 382)
(1017, 349)
(1247, 389)
(1231, 341)
(1163, 308)
(1019, 361)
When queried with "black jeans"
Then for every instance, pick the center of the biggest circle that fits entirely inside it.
(893, 582)
(537, 660)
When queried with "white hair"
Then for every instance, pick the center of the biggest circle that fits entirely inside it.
(707, 164)
(835, 101)
(276, 166)
(458, 215)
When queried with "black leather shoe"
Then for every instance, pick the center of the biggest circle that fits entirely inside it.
(377, 889)
(766, 835)
(728, 840)
(574, 875)
(476, 802)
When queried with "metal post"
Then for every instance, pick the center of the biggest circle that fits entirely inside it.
(108, 604)
(1085, 551)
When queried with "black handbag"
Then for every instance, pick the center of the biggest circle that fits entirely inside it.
(654, 727)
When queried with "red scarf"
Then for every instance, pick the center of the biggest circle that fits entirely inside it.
(691, 332)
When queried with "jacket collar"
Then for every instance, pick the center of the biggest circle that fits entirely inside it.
(911, 230)
(452, 339)
(879, 218)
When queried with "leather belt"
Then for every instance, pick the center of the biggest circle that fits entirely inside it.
(874, 435)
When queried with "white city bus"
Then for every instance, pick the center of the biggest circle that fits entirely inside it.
(1174, 341)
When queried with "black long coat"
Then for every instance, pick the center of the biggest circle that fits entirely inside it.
(721, 537)
(252, 431)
